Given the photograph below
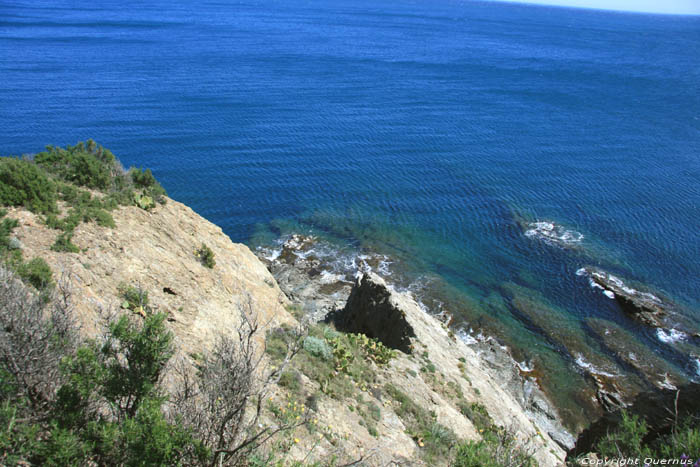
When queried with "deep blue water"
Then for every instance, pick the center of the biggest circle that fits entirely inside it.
(426, 130)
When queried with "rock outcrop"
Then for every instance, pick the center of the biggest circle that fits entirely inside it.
(392, 315)
(304, 276)
(374, 311)
(643, 306)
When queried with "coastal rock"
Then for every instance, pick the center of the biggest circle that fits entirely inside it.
(630, 350)
(296, 247)
(643, 306)
(374, 311)
(612, 387)
(306, 278)
(492, 373)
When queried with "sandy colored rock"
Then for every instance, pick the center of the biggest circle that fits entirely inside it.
(155, 250)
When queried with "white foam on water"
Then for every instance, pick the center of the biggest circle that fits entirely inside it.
(383, 266)
(466, 336)
(697, 366)
(667, 384)
(581, 272)
(274, 254)
(670, 336)
(590, 368)
(553, 233)
(524, 367)
(609, 293)
(328, 277)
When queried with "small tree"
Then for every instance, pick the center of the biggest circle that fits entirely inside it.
(223, 402)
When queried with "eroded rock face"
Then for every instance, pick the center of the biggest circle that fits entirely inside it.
(155, 250)
(371, 310)
(644, 306)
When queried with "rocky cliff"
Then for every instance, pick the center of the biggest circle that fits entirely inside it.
(155, 251)
(434, 386)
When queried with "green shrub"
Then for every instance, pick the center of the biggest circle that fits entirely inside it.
(99, 404)
(135, 298)
(206, 256)
(63, 243)
(143, 201)
(145, 180)
(291, 380)
(497, 448)
(372, 348)
(6, 228)
(436, 440)
(318, 348)
(628, 440)
(477, 414)
(22, 183)
(36, 272)
(277, 342)
(85, 164)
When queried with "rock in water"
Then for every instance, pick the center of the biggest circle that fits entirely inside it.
(644, 306)
(372, 310)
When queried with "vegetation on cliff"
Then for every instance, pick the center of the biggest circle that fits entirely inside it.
(80, 183)
(65, 400)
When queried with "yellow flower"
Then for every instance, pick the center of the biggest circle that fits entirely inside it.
(296, 440)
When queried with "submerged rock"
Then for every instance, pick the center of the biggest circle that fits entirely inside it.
(613, 388)
(628, 349)
(644, 306)
(553, 233)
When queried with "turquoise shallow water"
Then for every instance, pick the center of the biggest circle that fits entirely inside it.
(431, 132)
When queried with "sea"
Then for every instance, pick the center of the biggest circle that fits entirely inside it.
(486, 151)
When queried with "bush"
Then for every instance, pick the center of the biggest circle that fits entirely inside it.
(22, 183)
(630, 439)
(497, 448)
(318, 348)
(85, 164)
(6, 228)
(150, 188)
(103, 402)
(206, 256)
(36, 272)
(63, 243)
(477, 414)
(134, 297)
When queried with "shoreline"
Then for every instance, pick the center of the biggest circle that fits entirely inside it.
(312, 273)
(298, 274)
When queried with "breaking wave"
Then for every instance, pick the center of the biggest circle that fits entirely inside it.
(670, 336)
(553, 233)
